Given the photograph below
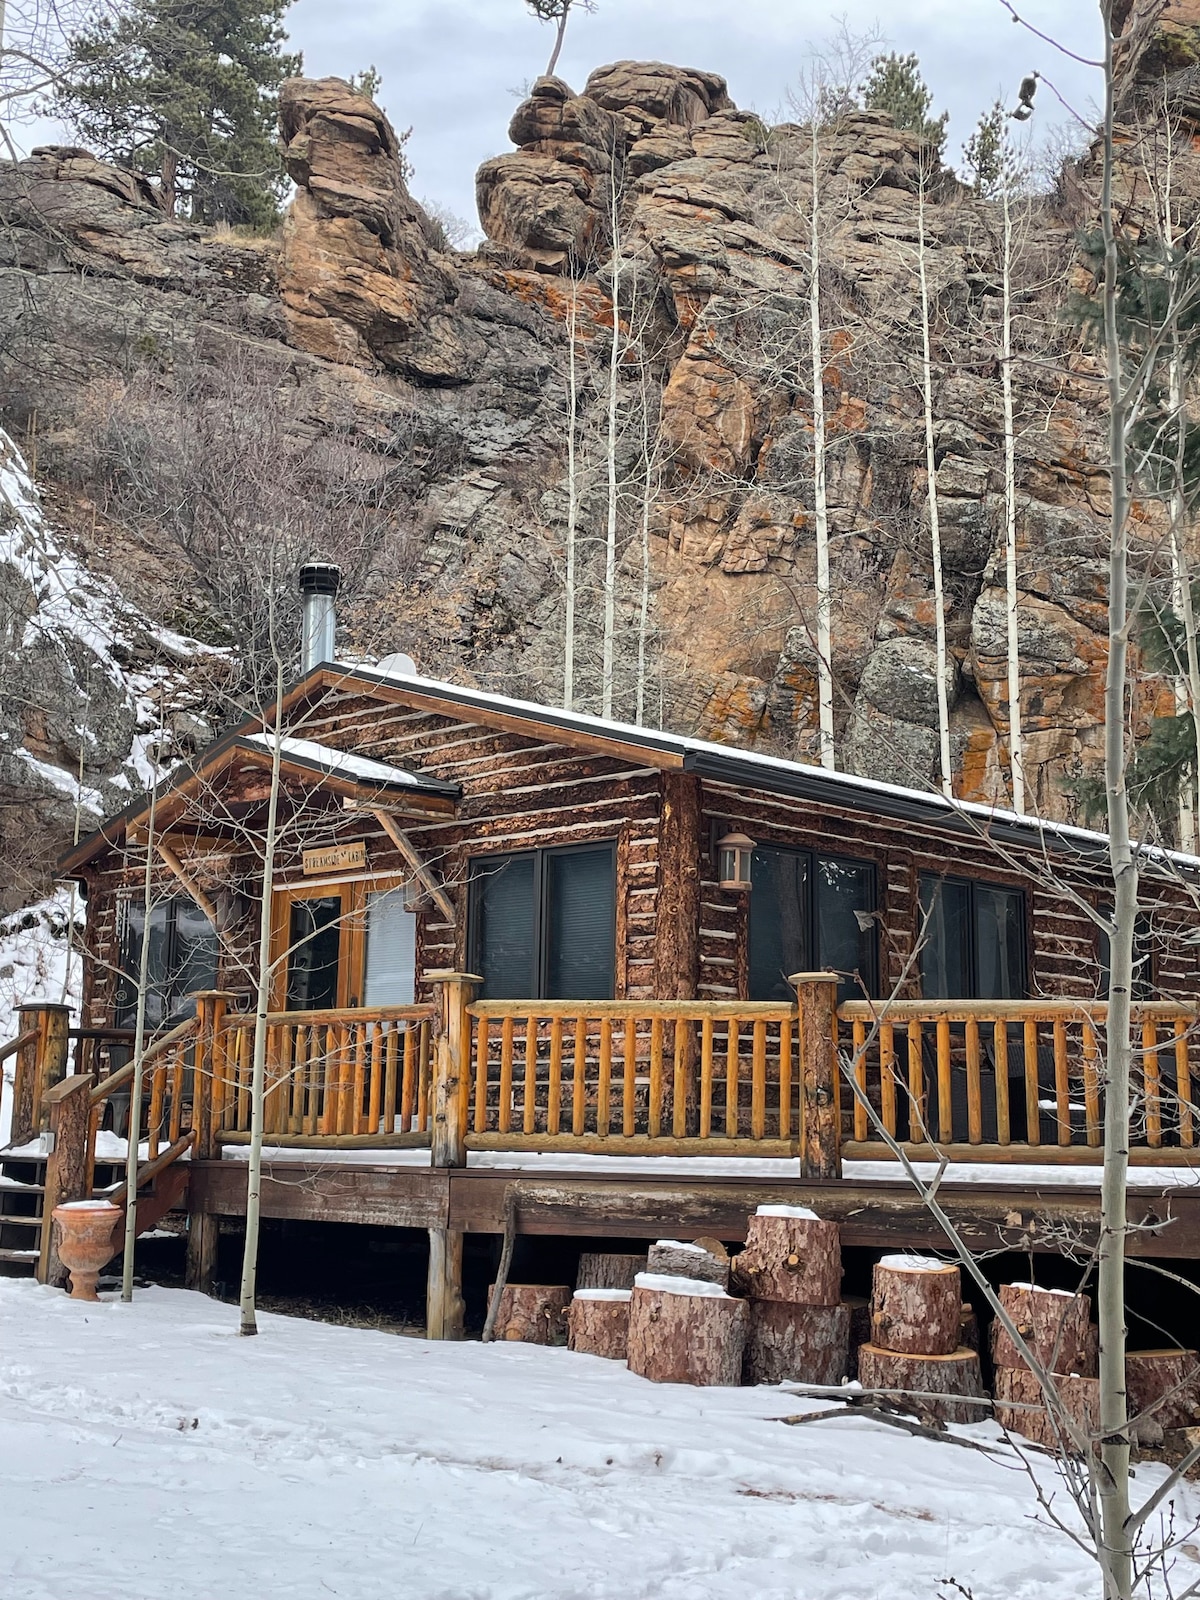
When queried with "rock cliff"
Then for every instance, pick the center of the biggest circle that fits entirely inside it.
(460, 387)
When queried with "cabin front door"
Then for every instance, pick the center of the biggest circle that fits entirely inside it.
(338, 945)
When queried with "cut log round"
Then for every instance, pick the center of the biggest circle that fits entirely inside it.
(1164, 1385)
(532, 1313)
(968, 1328)
(805, 1344)
(673, 1258)
(916, 1306)
(859, 1308)
(685, 1330)
(791, 1255)
(954, 1375)
(608, 1270)
(1021, 1407)
(1052, 1322)
(598, 1323)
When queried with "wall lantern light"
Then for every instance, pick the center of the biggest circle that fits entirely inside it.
(733, 861)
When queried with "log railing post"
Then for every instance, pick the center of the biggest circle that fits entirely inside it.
(448, 1102)
(203, 1227)
(68, 1165)
(40, 1065)
(821, 1134)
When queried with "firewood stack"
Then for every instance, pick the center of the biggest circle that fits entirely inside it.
(1055, 1325)
(916, 1327)
(792, 1270)
(683, 1325)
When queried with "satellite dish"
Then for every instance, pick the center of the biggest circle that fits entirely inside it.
(398, 665)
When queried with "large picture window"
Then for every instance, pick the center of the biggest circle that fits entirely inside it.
(973, 940)
(543, 924)
(182, 959)
(811, 912)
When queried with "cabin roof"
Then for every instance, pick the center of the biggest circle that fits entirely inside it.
(719, 763)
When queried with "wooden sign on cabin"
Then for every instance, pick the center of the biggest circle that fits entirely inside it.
(336, 858)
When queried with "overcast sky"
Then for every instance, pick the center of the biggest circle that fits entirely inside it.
(450, 67)
(453, 69)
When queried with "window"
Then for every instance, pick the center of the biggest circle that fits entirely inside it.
(1143, 958)
(391, 959)
(543, 924)
(974, 940)
(809, 912)
(182, 958)
(314, 950)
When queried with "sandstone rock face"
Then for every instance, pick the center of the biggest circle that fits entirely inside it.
(360, 281)
(450, 374)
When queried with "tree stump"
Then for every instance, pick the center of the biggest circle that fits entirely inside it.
(673, 1258)
(916, 1306)
(968, 1329)
(532, 1313)
(1021, 1407)
(1165, 1385)
(1053, 1323)
(807, 1344)
(1089, 1363)
(686, 1330)
(607, 1270)
(791, 1255)
(598, 1323)
(860, 1330)
(928, 1378)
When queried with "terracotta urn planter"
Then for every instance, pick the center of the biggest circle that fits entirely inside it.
(85, 1242)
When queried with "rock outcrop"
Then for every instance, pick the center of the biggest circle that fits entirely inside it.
(449, 376)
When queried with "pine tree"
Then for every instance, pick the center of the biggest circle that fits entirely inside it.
(987, 155)
(895, 85)
(186, 91)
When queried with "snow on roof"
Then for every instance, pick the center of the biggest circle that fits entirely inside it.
(342, 762)
(703, 751)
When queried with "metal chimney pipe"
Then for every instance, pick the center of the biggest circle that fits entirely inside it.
(319, 582)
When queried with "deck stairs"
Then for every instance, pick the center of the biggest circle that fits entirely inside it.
(22, 1187)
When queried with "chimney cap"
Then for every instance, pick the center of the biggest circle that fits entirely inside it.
(320, 577)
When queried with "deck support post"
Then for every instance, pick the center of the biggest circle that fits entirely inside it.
(40, 1065)
(449, 1098)
(68, 1166)
(203, 1227)
(820, 1117)
(677, 932)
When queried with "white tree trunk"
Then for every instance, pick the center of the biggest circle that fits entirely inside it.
(133, 1132)
(942, 667)
(559, 36)
(1187, 684)
(1113, 1485)
(820, 502)
(1016, 745)
(262, 1005)
(607, 670)
(644, 601)
(572, 503)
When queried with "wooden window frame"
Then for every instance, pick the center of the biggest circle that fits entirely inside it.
(973, 956)
(811, 919)
(352, 931)
(476, 869)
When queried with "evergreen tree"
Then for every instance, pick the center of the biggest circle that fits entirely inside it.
(894, 84)
(186, 91)
(987, 154)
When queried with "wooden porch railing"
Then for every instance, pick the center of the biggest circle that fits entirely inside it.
(572, 1074)
(346, 1074)
(1013, 1080)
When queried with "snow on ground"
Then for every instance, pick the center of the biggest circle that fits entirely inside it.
(148, 1450)
(36, 963)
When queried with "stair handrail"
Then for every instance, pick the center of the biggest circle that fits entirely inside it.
(19, 1043)
(149, 1170)
(114, 1081)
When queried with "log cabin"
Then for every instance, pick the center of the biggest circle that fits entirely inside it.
(518, 953)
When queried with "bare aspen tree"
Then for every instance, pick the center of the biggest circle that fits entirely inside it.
(572, 500)
(1114, 1445)
(559, 13)
(820, 496)
(1016, 747)
(608, 658)
(648, 489)
(262, 1004)
(942, 667)
(133, 1132)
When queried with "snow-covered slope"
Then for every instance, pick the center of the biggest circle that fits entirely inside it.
(147, 1448)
